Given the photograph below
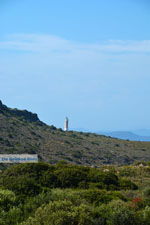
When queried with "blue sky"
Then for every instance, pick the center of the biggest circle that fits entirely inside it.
(88, 60)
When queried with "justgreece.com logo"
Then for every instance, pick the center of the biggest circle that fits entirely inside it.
(18, 158)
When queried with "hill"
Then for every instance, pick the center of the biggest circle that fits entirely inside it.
(137, 135)
(22, 132)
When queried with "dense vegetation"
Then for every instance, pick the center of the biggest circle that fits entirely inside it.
(22, 132)
(65, 194)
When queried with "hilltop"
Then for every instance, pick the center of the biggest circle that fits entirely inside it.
(23, 132)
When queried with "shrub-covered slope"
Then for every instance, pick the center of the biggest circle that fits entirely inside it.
(65, 194)
(22, 132)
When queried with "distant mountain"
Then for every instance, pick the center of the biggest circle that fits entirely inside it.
(142, 132)
(126, 135)
(22, 131)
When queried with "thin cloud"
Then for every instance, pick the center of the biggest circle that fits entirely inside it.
(49, 43)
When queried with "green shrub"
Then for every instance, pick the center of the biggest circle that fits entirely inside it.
(146, 215)
(49, 179)
(26, 180)
(32, 203)
(127, 184)
(12, 217)
(127, 171)
(146, 192)
(70, 177)
(107, 180)
(99, 185)
(62, 213)
(25, 187)
(7, 199)
(34, 170)
(121, 214)
(100, 196)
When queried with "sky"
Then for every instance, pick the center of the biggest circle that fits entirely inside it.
(87, 60)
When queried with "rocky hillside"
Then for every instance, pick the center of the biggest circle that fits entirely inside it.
(22, 132)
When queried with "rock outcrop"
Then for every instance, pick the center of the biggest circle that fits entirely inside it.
(2, 107)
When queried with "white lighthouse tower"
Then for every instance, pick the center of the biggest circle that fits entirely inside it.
(66, 124)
